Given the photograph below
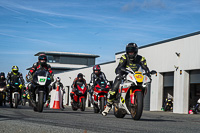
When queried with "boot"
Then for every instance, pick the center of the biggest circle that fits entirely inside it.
(107, 109)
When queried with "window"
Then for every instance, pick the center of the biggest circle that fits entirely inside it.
(53, 59)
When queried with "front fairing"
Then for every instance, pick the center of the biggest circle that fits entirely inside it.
(42, 78)
(81, 89)
(101, 86)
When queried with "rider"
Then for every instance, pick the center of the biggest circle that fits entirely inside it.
(15, 77)
(130, 59)
(2, 79)
(78, 79)
(54, 86)
(97, 74)
(40, 65)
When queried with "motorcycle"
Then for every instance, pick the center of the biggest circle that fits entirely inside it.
(25, 97)
(100, 96)
(80, 96)
(168, 104)
(131, 93)
(41, 81)
(14, 95)
(2, 95)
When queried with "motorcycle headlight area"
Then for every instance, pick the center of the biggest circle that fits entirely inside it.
(1, 89)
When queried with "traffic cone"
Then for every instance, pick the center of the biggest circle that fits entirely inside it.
(56, 104)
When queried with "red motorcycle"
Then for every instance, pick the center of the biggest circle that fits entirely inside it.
(100, 96)
(80, 96)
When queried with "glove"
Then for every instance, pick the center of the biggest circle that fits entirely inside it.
(21, 86)
(29, 77)
(52, 79)
(8, 86)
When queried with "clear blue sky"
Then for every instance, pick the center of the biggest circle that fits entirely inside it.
(101, 27)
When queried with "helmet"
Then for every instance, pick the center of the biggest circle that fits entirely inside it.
(198, 101)
(58, 79)
(80, 76)
(42, 58)
(132, 48)
(2, 75)
(15, 69)
(97, 68)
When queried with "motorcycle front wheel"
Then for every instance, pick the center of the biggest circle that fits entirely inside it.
(40, 101)
(82, 104)
(15, 101)
(137, 108)
(102, 104)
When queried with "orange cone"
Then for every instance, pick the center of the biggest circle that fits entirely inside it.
(56, 104)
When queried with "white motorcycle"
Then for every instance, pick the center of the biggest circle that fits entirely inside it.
(131, 93)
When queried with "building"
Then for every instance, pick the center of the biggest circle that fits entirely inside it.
(177, 62)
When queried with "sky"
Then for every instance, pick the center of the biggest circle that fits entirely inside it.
(100, 27)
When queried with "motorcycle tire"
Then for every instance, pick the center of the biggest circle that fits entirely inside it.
(15, 101)
(137, 108)
(40, 101)
(118, 113)
(82, 104)
(102, 104)
(11, 103)
(96, 109)
(35, 109)
(1, 99)
(74, 108)
(166, 108)
(23, 102)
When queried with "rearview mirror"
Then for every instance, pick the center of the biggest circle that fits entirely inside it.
(153, 72)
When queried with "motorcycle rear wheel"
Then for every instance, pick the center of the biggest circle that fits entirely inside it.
(137, 108)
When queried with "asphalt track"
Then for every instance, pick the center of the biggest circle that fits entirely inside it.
(25, 120)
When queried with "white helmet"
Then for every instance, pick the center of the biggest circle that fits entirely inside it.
(58, 79)
(198, 101)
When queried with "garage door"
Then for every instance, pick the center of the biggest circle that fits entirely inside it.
(168, 79)
(194, 76)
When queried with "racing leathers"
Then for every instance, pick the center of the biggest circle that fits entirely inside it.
(94, 77)
(37, 66)
(13, 78)
(74, 86)
(121, 70)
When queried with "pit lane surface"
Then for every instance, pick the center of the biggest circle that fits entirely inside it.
(25, 120)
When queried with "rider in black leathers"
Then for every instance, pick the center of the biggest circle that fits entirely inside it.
(40, 65)
(97, 74)
(130, 59)
(15, 77)
(2, 79)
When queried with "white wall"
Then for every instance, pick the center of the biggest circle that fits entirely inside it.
(67, 78)
(162, 58)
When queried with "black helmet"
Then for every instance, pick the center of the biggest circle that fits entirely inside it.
(80, 76)
(132, 48)
(2, 75)
(15, 69)
(44, 58)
